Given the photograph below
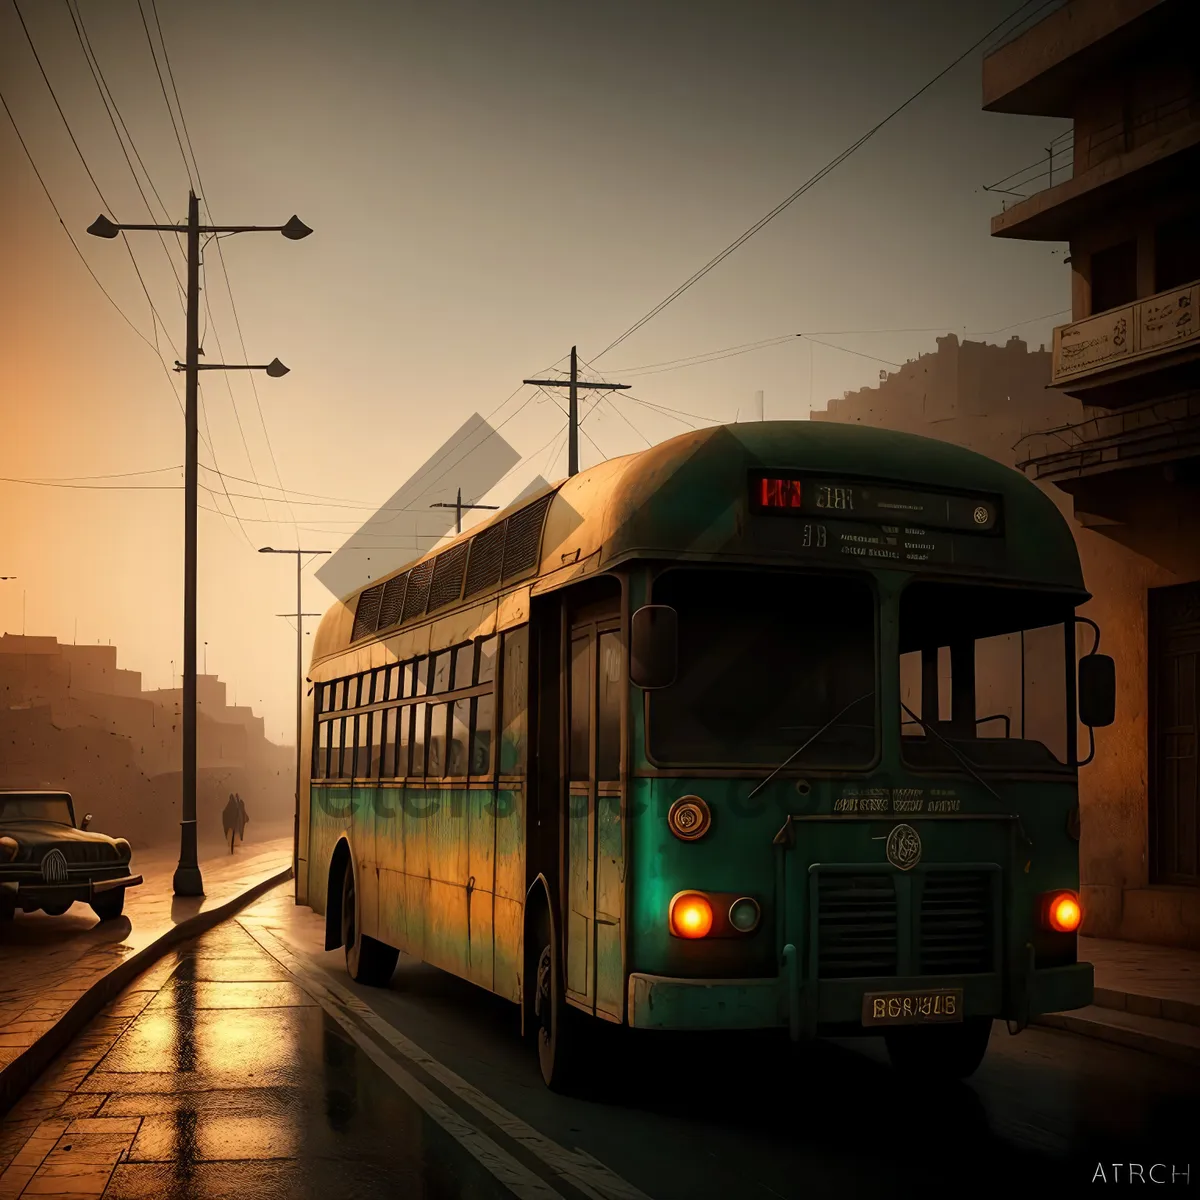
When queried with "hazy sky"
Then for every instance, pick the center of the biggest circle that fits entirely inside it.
(489, 183)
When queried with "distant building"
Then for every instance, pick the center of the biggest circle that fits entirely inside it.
(1127, 73)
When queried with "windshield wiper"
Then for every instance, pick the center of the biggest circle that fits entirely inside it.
(966, 766)
(828, 725)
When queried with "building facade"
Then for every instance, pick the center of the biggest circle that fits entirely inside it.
(1127, 75)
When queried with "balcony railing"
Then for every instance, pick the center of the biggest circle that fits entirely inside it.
(1148, 329)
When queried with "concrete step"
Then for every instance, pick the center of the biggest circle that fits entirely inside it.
(1142, 1005)
(1170, 1039)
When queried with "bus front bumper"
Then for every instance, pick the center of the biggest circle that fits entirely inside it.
(836, 1005)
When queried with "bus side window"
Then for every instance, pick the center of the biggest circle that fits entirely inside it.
(608, 710)
(460, 733)
(438, 716)
(483, 712)
(514, 701)
(422, 677)
(320, 768)
(362, 758)
(393, 683)
(387, 744)
(375, 737)
(464, 663)
(403, 741)
(380, 686)
(335, 748)
(487, 661)
(418, 739)
(441, 672)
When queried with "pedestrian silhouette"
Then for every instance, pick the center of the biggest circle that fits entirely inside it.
(233, 820)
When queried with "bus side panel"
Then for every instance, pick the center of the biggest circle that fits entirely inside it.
(390, 847)
(366, 861)
(510, 887)
(481, 848)
(446, 842)
(328, 819)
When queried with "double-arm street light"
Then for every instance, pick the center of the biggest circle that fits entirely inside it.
(187, 875)
(300, 615)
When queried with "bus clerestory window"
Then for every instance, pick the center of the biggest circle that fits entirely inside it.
(984, 675)
(464, 664)
(441, 673)
(422, 677)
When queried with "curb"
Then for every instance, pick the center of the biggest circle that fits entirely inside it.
(22, 1072)
(1158, 1039)
(1183, 1011)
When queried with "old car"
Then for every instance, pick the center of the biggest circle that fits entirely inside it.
(48, 862)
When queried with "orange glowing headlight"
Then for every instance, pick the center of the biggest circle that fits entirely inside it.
(1063, 912)
(691, 915)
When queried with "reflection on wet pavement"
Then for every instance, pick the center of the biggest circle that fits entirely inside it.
(217, 1075)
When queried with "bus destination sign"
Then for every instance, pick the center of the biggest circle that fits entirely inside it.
(847, 500)
(880, 525)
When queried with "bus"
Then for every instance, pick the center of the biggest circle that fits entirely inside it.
(772, 725)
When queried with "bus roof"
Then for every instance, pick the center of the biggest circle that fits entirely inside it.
(687, 499)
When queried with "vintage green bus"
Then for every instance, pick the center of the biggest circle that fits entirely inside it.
(771, 725)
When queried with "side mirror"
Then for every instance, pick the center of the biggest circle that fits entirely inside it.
(654, 646)
(1097, 690)
(87, 820)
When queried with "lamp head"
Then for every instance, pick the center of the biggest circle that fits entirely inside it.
(276, 369)
(295, 229)
(266, 549)
(103, 227)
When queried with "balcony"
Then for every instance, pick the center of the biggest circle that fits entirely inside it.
(1133, 353)
(1152, 437)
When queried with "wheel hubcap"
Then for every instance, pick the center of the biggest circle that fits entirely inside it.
(541, 1003)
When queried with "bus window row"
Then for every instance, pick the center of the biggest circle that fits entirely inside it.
(419, 737)
(447, 670)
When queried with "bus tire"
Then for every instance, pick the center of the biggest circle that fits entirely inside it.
(553, 1027)
(367, 960)
(946, 1052)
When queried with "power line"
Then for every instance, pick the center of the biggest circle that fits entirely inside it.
(846, 350)
(98, 487)
(804, 187)
(163, 86)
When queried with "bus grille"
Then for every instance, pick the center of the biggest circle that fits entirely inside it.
(957, 923)
(856, 925)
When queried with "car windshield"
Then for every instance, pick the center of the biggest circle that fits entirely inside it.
(765, 661)
(985, 669)
(30, 806)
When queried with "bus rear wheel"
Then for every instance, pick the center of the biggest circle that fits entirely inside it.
(367, 960)
(942, 1052)
(556, 1033)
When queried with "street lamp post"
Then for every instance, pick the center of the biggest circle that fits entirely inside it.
(188, 881)
(300, 615)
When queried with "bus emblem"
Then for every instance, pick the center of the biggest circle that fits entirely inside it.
(981, 515)
(904, 847)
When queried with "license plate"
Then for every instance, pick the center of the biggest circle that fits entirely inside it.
(927, 1007)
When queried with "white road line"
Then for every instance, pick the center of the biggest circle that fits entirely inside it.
(584, 1172)
(514, 1175)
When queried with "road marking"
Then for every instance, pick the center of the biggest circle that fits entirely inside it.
(514, 1175)
(584, 1172)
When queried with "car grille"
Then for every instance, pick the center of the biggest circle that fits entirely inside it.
(858, 922)
(54, 867)
(957, 923)
(88, 852)
(856, 925)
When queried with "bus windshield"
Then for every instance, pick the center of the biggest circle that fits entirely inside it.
(766, 660)
(986, 670)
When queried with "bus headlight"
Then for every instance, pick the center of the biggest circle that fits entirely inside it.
(744, 914)
(1061, 911)
(689, 818)
(691, 915)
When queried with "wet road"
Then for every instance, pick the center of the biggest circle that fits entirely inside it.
(248, 1065)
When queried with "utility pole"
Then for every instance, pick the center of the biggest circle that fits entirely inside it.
(458, 507)
(300, 614)
(573, 415)
(188, 881)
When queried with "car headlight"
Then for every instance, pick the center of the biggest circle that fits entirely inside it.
(123, 849)
(8, 849)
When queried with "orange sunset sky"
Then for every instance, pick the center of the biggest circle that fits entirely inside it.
(488, 184)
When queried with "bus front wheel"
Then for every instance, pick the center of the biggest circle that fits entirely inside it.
(943, 1052)
(367, 961)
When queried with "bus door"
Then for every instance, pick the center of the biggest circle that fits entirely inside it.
(595, 872)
